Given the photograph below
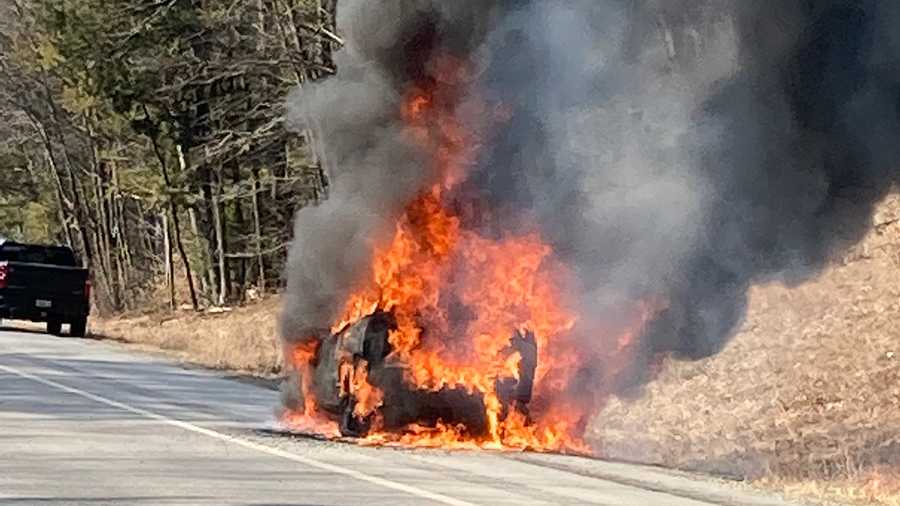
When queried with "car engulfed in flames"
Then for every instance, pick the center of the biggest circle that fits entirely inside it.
(359, 387)
(455, 339)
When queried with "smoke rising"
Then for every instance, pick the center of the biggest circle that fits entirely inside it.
(670, 149)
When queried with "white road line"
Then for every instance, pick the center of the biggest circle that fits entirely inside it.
(393, 485)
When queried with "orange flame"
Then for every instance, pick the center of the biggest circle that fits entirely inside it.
(302, 359)
(368, 397)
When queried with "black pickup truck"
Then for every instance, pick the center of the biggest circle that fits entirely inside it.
(44, 284)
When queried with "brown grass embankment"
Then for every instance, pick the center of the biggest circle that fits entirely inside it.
(243, 339)
(806, 397)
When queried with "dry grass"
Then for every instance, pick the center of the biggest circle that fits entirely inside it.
(806, 396)
(244, 339)
(871, 488)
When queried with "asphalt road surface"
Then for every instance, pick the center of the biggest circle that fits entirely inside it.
(90, 423)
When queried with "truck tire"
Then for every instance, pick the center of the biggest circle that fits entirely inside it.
(54, 327)
(78, 328)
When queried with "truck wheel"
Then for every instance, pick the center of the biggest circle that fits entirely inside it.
(78, 328)
(54, 327)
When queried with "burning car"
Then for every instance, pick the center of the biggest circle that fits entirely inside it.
(352, 365)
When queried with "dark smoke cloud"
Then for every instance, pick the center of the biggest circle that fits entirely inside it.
(673, 149)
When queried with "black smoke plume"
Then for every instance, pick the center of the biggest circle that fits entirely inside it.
(670, 149)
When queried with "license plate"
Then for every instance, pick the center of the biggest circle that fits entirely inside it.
(43, 303)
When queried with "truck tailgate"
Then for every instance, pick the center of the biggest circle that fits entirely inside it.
(46, 280)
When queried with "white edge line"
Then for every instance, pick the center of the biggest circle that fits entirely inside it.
(409, 489)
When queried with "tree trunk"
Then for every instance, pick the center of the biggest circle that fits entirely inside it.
(195, 231)
(61, 199)
(260, 260)
(239, 243)
(176, 225)
(207, 228)
(170, 264)
(219, 226)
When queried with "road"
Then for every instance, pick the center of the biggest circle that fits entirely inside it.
(89, 423)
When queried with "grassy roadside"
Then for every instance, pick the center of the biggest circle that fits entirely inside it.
(243, 340)
(805, 399)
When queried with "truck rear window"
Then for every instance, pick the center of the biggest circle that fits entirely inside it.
(37, 255)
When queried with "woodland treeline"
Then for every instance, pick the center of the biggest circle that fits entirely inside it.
(150, 136)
